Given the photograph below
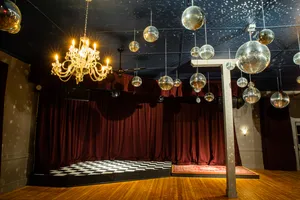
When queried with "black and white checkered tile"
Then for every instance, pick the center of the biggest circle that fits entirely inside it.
(90, 168)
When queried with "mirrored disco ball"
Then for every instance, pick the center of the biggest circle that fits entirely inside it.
(198, 81)
(251, 95)
(195, 52)
(242, 82)
(136, 81)
(230, 65)
(197, 90)
(134, 46)
(151, 34)
(207, 52)
(198, 100)
(280, 100)
(298, 79)
(266, 36)
(10, 16)
(209, 97)
(177, 82)
(115, 94)
(296, 58)
(193, 18)
(16, 30)
(253, 57)
(165, 83)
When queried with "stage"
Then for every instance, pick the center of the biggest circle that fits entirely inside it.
(107, 171)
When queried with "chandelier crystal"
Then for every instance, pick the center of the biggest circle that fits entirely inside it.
(82, 60)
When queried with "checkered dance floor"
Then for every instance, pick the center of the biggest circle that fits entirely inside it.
(105, 167)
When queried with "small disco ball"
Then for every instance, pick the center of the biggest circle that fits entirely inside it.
(198, 81)
(197, 90)
(251, 95)
(209, 97)
(193, 18)
(10, 16)
(115, 93)
(230, 65)
(242, 82)
(136, 81)
(151, 34)
(253, 57)
(177, 82)
(195, 52)
(165, 83)
(198, 100)
(134, 46)
(298, 79)
(280, 100)
(266, 36)
(296, 58)
(207, 52)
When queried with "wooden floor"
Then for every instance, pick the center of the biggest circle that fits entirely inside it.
(272, 185)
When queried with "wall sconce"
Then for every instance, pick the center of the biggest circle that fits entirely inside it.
(244, 130)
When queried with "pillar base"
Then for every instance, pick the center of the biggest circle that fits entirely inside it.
(231, 193)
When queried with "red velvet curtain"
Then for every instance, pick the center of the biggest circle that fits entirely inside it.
(128, 128)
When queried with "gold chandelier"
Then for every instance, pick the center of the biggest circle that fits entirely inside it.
(81, 61)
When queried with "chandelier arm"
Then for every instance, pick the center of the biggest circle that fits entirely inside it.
(66, 80)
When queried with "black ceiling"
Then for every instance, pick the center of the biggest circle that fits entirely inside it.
(48, 27)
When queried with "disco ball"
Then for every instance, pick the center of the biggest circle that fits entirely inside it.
(115, 93)
(253, 57)
(242, 82)
(134, 46)
(197, 90)
(198, 81)
(193, 18)
(136, 81)
(198, 100)
(165, 83)
(177, 82)
(266, 36)
(15, 30)
(151, 34)
(251, 95)
(230, 65)
(209, 97)
(297, 58)
(298, 79)
(10, 16)
(195, 52)
(207, 52)
(280, 100)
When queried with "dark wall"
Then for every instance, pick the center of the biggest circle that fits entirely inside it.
(277, 137)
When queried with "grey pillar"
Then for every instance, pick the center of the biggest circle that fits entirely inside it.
(229, 133)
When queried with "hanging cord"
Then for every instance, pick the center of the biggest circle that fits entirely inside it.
(176, 74)
(241, 74)
(298, 39)
(151, 17)
(263, 13)
(197, 70)
(250, 80)
(277, 83)
(205, 32)
(134, 34)
(229, 53)
(166, 57)
(250, 35)
(195, 38)
(86, 17)
(208, 81)
(192, 2)
(280, 79)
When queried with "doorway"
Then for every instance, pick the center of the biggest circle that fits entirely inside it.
(296, 136)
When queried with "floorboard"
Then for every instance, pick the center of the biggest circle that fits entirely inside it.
(272, 185)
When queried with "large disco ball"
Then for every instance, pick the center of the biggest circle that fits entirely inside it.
(242, 82)
(136, 81)
(134, 46)
(151, 34)
(280, 100)
(209, 97)
(15, 30)
(296, 58)
(230, 65)
(198, 81)
(207, 52)
(165, 83)
(298, 79)
(195, 52)
(251, 95)
(266, 36)
(10, 16)
(177, 82)
(253, 57)
(193, 18)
